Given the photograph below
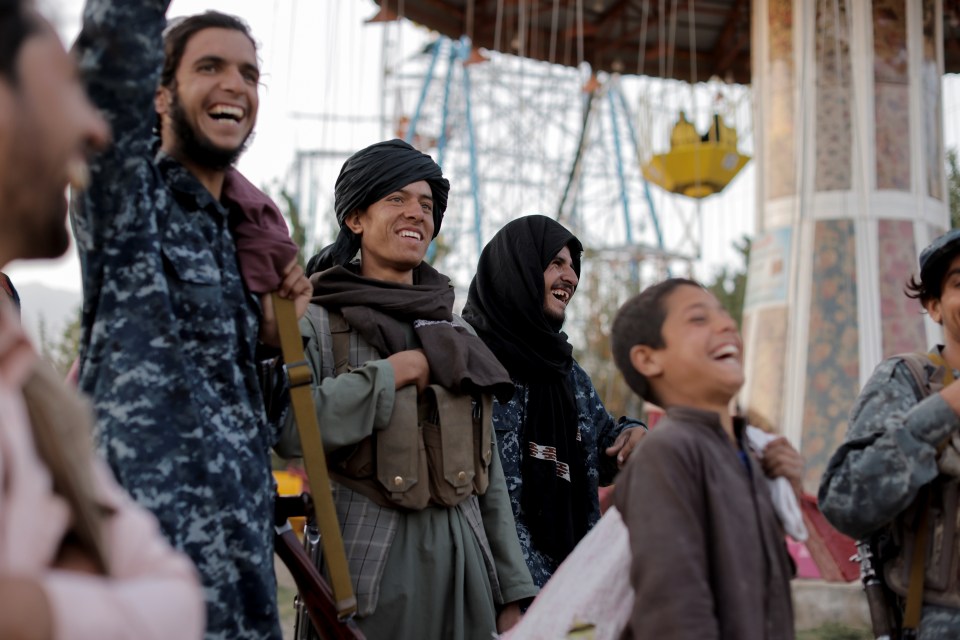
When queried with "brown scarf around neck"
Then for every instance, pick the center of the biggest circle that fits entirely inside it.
(379, 310)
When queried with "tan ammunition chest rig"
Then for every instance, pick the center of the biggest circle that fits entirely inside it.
(436, 449)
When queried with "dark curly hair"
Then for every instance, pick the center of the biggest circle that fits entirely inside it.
(921, 290)
(928, 285)
(179, 32)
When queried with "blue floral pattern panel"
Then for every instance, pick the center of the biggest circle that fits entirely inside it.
(833, 365)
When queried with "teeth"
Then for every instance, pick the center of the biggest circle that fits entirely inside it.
(561, 295)
(728, 350)
(410, 234)
(225, 110)
(78, 173)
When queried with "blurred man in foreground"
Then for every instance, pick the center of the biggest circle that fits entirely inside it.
(78, 559)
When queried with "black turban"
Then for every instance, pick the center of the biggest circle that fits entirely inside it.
(369, 175)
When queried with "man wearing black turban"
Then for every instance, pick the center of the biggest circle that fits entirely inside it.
(369, 175)
(381, 329)
(557, 441)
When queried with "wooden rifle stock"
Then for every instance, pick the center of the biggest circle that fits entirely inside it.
(314, 590)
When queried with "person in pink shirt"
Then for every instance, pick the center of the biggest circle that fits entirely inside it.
(78, 559)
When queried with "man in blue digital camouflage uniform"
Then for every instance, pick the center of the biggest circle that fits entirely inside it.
(169, 330)
(556, 440)
(891, 447)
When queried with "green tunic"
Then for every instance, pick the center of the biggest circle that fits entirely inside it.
(432, 580)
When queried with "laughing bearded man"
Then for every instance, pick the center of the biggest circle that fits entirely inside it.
(556, 440)
(169, 328)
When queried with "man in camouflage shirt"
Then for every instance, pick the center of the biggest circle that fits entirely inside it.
(169, 330)
(557, 442)
(890, 451)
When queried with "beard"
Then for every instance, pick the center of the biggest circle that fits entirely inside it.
(33, 193)
(197, 147)
(554, 319)
(37, 220)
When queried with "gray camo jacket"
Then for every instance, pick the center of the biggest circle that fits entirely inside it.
(889, 453)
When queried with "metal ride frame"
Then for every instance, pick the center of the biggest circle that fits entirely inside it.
(517, 136)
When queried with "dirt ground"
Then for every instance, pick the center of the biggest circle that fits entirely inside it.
(286, 590)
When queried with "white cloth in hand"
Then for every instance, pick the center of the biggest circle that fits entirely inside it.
(784, 499)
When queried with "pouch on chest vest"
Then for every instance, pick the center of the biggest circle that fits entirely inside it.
(436, 449)
(931, 520)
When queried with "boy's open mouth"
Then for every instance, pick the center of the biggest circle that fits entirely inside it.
(726, 353)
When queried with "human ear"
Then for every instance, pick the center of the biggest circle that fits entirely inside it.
(646, 360)
(161, 101)
(353, 222)
(933, 309)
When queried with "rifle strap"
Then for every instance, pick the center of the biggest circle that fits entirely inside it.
(938, 360)
(314, 459)
(913, 609)
(914, 605)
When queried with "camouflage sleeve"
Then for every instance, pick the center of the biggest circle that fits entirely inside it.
(889, 452)
(606, 427)
(120, 54)
(501, 529)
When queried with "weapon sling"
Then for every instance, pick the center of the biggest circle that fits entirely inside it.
(301, 399)
(914, 604)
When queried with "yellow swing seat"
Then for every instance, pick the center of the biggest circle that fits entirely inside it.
(696, 170)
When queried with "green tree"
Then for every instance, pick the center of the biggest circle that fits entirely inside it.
(730, 285)
(62, 350)
(953, 187)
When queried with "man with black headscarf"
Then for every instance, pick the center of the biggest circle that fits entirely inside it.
(404, 394)
(557, 441)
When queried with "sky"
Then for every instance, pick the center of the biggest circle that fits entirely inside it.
(318, 57)
(299, 77)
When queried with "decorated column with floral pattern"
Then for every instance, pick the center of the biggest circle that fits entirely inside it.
(850, 186)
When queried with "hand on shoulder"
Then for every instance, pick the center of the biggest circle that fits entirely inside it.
(625, 443)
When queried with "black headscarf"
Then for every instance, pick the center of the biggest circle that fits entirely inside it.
(505, 306)
(369, 175)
